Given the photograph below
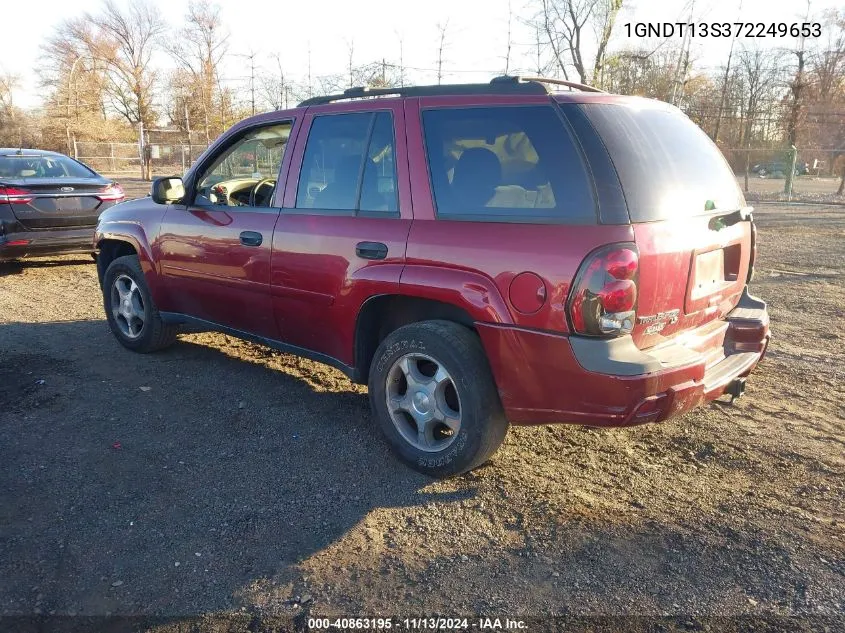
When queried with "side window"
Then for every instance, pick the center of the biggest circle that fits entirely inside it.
(349, 164)
(244, 175)
(378, 188)
(506, 163)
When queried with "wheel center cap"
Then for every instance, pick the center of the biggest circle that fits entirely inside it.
(422, 402)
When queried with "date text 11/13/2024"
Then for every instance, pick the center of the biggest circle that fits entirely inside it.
(417, 624)
(723, 29)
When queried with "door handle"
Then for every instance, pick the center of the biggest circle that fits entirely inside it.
(371, 250)
(251, 238)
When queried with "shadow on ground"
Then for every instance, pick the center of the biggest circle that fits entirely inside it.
(17, 266)
(166, 483)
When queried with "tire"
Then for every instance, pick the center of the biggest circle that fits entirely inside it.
(151, 333)
(424, 349)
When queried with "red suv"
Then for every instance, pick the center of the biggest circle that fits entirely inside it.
(477, 254)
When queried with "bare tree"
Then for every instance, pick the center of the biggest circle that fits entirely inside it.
(569, 25)
(198, 49)
(828, 63)
(646, 70)
(131, 38)
(796, 87)
(541, 64)
(350, 53)
(824, 124)
(442, 28)
(274, 87)
(509, 40)
(760, 72)
(605, 21)
(9, 128)
(401, 58)
(310, 83)
(251, 57)
(74, 73)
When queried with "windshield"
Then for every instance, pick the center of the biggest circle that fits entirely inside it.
(667, 165)
(42, 167)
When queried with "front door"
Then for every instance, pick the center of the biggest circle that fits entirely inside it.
(215, 251)
(342, 233)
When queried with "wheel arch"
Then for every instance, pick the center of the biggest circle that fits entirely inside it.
(130, 240)
(382, 314)
(108, 250)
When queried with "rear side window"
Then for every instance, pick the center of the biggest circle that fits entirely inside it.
(349, 164)
(508, 164)
(667, 165)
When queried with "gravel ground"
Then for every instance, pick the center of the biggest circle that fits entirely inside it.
(222, 477)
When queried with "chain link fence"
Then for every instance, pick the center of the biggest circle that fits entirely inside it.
(817, 175)
(763, 174)
(109, 158)
(154, 157)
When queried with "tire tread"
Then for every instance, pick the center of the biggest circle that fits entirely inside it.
(163, 334)
(477, 373)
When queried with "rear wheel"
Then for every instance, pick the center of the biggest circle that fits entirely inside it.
(131, 313)
(434, 398)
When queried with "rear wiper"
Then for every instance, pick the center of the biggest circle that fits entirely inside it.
(722, 221)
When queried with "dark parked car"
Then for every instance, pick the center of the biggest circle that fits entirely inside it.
(49, 203)
(478, 254)
(777, 169)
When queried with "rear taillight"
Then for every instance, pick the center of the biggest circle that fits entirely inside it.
(603, 299)
(112, 193)
(13, 195)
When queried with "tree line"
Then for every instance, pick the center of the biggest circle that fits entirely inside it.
(101, 77)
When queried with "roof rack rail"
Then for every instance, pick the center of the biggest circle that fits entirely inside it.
(545, 80)
(362, 92)
(506, 84)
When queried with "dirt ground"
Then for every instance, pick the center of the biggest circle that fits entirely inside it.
(222, 477)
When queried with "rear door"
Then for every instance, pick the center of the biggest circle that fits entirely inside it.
(47, 191)
(343, 228)
(687, 213)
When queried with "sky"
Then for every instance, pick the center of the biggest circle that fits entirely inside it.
(476, 31)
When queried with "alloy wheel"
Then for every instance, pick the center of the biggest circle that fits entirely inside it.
(127, 306)
(423, 402)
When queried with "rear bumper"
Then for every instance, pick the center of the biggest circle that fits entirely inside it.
(46, 242)
(545, 378)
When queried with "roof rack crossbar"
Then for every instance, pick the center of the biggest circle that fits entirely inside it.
(506, 84)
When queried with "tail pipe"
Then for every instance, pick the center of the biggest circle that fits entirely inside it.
(736, 388)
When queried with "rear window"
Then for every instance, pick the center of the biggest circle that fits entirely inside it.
(42, 167)
(508, 164)
(667, 165)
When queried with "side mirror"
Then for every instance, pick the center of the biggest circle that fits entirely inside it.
(167, 190)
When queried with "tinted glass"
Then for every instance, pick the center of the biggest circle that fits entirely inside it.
(43, 167)
(378, 188)
(334, 157)
(255, 157)
(667, 165)
(507, 164)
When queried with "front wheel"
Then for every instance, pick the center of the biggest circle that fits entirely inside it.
(433, 395)
(131, 313)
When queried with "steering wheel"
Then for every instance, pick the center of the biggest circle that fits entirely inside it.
(261, 183)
